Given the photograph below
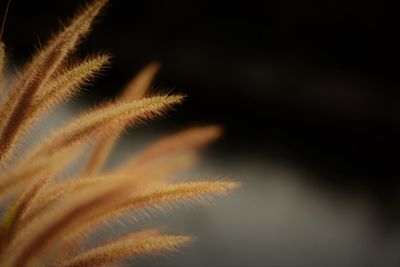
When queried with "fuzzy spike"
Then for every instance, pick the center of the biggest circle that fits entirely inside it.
(135, 90)
(67, 252)
(178, 193)
(14, 114)
(67, 83)
(154, 198)
(125, 248)
(103, 120)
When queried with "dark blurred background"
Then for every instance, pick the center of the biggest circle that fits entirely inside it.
(309, 86)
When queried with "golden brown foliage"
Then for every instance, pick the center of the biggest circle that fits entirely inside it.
(43, 219)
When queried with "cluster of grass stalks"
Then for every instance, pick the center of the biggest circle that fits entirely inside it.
(45, 220)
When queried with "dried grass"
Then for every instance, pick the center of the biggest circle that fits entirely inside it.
(44, 213)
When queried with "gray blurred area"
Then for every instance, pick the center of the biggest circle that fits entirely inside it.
(277, 217)
(307, 93)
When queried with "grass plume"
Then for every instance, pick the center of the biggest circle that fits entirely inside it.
(130, 246)
(45, 218)
(135, 90)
